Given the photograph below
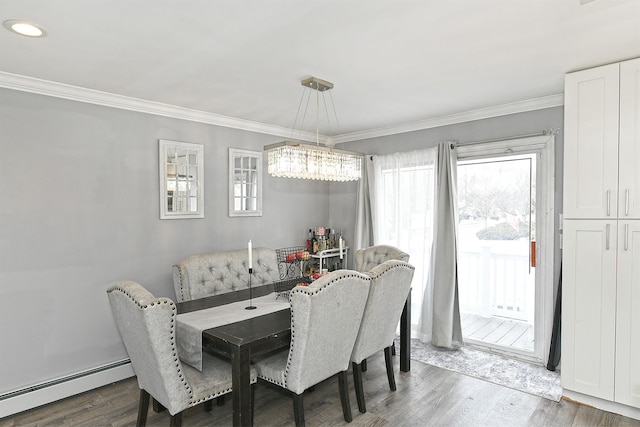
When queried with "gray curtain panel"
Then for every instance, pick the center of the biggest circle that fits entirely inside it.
(364, 212)
(446, 328)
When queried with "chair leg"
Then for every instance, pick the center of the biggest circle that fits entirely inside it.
(157, 406)
(143, 408)
(393, 348)
(208, 406)
(343, 383)
(298, 409)
(220, 400)
(176, 420)
(363, 365)
(389, 363)
(357, 383)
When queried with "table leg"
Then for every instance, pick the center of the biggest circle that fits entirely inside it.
(241, 383)
(405, 336)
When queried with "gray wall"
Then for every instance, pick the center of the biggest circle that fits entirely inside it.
(80, 209)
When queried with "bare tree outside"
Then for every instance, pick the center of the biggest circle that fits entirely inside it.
(497, 192)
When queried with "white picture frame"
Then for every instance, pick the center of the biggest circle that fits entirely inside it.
(181, 166)
(245, 183)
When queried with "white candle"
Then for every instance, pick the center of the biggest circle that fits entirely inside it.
(250, 255)
(340, 244)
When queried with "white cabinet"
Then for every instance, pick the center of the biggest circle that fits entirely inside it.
(629, 151)
(602, 142)
(591, 143)
(627, 375)
(589, 307)
(601, 281)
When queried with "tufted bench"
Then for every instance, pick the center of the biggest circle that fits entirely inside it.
(214, 273)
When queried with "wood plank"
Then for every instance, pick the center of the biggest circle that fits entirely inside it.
(497, 334)
(491, 324)
(513, 335)
(526, 340)
(474, 326)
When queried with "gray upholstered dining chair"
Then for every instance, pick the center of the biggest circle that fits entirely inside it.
(147, 326)
(325, 319)
(390, 284)
(367, 258)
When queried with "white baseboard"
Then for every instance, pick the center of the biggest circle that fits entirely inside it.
(59, 389)
(605, 405)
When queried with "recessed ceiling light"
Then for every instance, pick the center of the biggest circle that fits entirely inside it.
(25, 28)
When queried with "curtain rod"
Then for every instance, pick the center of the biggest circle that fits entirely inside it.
(528, 135)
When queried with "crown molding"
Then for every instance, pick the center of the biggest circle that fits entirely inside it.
(80, 94)
(468, 116)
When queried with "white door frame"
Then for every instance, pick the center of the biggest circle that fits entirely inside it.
(543, 147)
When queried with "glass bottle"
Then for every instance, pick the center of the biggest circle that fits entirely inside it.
(314, 243)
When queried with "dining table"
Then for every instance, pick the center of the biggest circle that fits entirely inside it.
(258, 331)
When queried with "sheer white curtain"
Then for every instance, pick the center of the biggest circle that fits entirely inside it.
(402, 196)
(408, 200)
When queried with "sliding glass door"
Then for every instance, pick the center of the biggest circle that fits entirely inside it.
(495, 247)
(504, 300)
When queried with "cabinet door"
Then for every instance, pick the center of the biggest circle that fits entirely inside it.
(629, 163)
(591, 143)
(588, 307)
(628, 315)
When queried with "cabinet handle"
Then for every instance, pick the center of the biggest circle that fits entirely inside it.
(626, 237)
(608, 203)
(626, 203)
(607, 243)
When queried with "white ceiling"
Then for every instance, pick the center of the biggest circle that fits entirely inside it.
(393, 63)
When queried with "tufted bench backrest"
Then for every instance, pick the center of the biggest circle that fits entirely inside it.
(203, 275)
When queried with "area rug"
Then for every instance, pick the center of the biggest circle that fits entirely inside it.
(522, 376)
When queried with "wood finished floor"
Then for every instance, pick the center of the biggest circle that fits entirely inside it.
(426, 396)
(499, 331)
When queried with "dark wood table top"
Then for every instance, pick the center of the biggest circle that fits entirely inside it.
(222, 299)
(235, 296)
(259, 335)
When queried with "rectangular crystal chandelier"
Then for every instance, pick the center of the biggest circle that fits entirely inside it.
(289, 159)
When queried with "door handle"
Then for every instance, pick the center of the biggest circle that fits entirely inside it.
(626, 237)
(607, 242)
(608, 204)
(626, 203)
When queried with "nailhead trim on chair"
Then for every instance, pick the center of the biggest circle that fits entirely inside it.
(174, 350)
(181, 282)
(312, 292)
(389, 268)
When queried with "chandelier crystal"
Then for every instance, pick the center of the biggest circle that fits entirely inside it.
(290, 159)
(294, 160)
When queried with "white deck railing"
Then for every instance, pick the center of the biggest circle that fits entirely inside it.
(495, 284)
